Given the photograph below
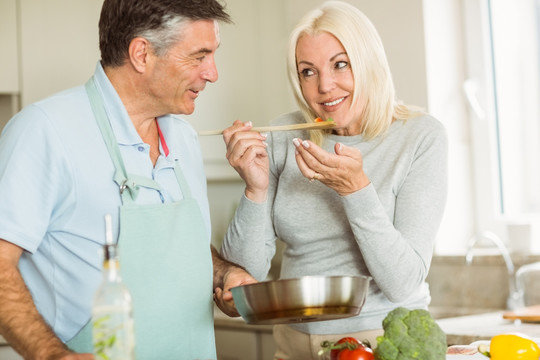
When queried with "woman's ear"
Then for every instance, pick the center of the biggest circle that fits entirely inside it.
(138, 53)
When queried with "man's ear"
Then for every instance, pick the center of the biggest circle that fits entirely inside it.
(138, 53)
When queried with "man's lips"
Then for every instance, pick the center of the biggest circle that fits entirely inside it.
(194, 93)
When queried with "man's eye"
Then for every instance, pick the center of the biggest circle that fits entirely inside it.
(341, 65)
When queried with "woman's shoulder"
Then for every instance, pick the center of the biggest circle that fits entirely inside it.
(423, 124)
(425, 120)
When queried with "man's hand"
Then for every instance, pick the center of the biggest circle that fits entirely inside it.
(226, 276)
(223, 297)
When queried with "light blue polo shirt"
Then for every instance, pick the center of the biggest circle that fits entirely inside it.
(56, 186)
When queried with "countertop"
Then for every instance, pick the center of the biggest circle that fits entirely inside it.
(464, 330)
(461, 330)
(222, 321)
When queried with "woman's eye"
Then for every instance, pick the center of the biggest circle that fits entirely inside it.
(341, 65)
(306, 73)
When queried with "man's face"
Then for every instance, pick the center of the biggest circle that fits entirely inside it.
(176, 78)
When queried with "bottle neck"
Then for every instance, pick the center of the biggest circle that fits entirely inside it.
(111, 264)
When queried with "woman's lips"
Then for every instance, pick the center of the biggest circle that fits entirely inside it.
(333, 102)
(332, 105)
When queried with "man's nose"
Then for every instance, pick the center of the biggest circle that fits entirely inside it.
(210, 73)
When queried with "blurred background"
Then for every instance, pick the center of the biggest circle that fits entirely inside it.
(473, 64)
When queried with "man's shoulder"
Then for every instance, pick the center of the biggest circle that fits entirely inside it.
(68, 104)
(63, 98)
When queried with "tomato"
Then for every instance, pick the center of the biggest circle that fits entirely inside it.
(360, 353)
(350, 340)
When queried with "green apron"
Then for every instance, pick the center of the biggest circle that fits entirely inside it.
(166, 264)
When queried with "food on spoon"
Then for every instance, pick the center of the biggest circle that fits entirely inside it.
(321, 120)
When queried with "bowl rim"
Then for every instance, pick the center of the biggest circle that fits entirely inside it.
(303, 278)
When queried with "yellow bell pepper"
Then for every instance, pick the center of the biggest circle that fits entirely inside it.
(513, 347)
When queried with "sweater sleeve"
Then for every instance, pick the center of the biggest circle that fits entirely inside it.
(250, 240)
(398, 254)
(244, 242)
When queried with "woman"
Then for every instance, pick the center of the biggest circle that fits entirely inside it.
(365, 198)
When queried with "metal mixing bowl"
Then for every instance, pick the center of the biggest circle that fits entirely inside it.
(309, 298)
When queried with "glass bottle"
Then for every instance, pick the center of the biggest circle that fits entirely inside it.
(112, 311)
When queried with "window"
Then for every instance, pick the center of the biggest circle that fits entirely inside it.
(503, 92)
(515, 29)
(484, 84)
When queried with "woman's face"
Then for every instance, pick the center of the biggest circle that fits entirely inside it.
(327, 81)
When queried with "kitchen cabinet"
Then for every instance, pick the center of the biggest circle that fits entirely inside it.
(9, 61)
(58, 43)
(234, 344)
(6, 352)
(9, 105)
(236, 340)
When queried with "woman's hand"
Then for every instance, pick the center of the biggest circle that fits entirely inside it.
(342, 171)
(246, 152)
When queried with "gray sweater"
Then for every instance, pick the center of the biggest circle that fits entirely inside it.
(386, 230)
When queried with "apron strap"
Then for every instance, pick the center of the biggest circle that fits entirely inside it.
(184, 187)
(121, 177)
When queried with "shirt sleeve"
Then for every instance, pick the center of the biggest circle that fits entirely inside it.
(33, 177)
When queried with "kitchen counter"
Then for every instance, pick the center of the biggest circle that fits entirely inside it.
(460, 330)
(237, 323)
(464, 330)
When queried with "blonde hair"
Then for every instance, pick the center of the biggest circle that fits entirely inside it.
(369, 66)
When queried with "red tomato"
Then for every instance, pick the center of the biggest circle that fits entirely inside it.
(360, 353)
(335, 352)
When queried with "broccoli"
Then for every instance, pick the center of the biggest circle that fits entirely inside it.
(409, 335)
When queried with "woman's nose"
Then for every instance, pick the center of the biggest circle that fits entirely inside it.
(326, 82)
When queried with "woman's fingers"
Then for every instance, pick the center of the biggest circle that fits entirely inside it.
(311, 159)
(246, 153)
(342, 171)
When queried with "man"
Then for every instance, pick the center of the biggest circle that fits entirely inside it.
(112, 147)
